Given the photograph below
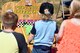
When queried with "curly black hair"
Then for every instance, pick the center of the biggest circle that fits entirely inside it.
(48, 6)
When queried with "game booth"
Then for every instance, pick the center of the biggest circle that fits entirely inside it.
(27, 16)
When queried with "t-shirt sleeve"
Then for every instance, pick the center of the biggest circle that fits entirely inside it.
(21, 43)
(56, 31)
(33, 31)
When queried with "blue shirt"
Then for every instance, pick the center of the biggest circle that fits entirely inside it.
(44, 32)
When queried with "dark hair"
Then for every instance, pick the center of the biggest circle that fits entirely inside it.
(10, 19)
(48, 6)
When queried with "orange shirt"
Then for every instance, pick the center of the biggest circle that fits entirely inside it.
(70, 42)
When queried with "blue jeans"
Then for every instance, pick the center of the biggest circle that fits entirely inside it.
(41, 49)
(67, 4)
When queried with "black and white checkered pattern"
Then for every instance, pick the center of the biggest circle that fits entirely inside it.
(22, 23)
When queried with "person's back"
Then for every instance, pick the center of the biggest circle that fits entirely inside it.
(11, 41)
(44, 32)
(70, 43)
(69, 33)
(8, 43)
